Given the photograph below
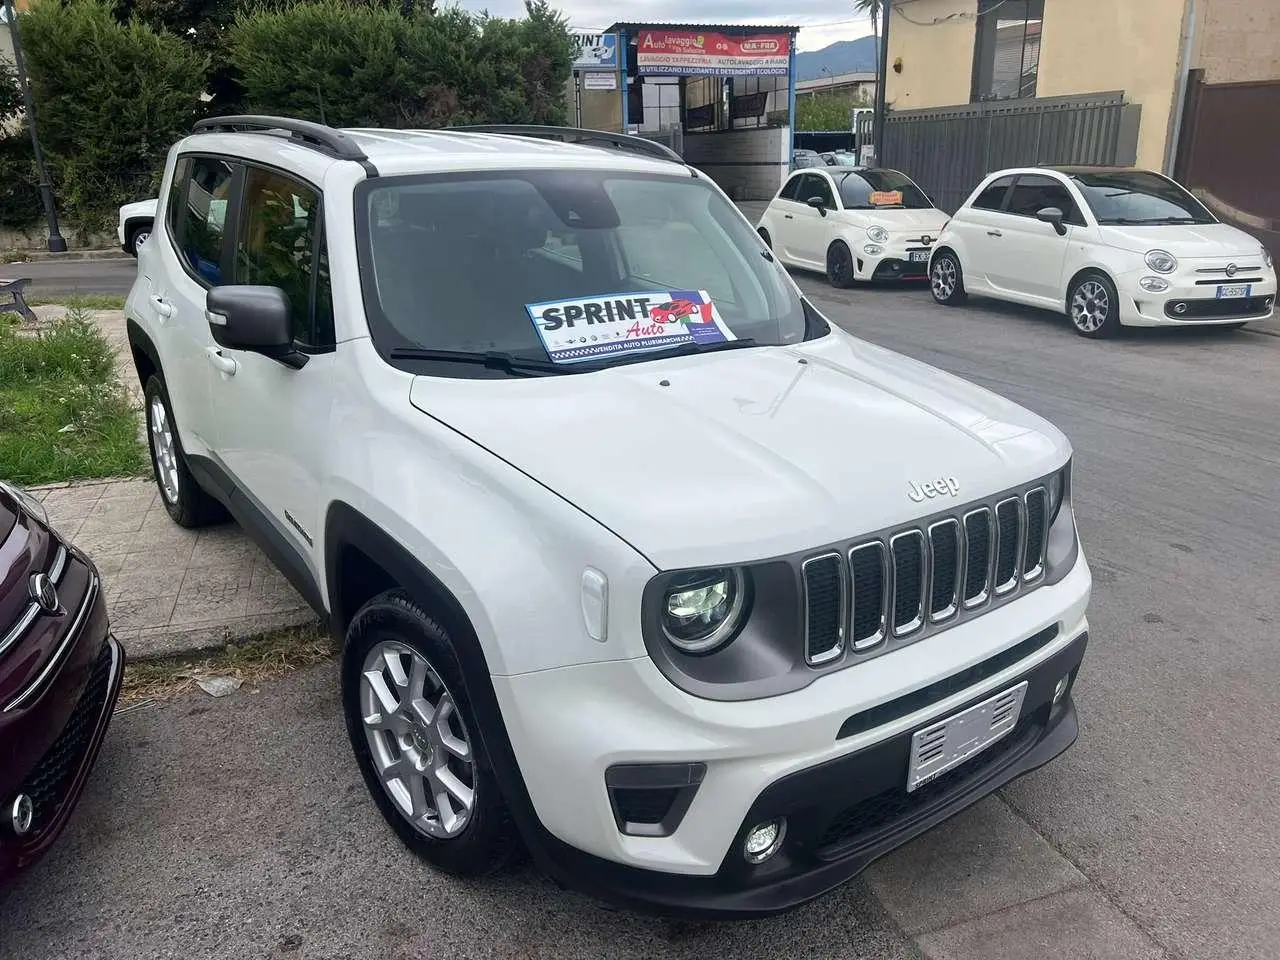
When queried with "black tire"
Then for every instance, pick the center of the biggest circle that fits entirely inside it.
(840, 266)
(490, 839)
(189, 505)
(764, 235)
(1093, 306)
(137, 235)
(946, 279)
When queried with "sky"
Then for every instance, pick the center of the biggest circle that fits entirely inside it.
(823, 21)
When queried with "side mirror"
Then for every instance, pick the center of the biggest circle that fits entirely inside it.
(254, 319)
(819, 204)
(1053, 216)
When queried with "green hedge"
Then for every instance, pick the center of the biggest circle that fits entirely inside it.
(110, 100)
(369, 65)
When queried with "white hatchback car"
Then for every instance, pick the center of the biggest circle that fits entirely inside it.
(854, 223)
(1109, 247)
(632, 555)
(135, 223)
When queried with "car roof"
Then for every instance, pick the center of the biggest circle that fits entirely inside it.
(401, 152)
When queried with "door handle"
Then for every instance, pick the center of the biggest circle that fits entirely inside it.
(162, 307)
(787, 216)
(221, 363)
(994, 233)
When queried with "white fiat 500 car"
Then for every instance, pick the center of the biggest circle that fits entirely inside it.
(855, 223)
(632, 555)
(1109, 247)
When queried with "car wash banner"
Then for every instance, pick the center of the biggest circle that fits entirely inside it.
(696, 54)
(591, 328)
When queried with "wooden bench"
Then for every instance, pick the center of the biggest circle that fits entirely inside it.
(15, 302)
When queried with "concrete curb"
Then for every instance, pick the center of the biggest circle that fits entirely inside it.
(44, 256)
(170, 643)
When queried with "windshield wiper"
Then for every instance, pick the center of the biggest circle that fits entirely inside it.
(492, 360)
(1130, 222)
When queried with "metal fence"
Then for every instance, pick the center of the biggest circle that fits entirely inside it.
(947, 150)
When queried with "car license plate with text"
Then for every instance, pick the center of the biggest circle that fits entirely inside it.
(948, 743)
(1231, 291)
(918, 256)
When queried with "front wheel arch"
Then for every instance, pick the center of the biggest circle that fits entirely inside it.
(1113, 323)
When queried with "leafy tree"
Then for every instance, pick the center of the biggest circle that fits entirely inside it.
(19, 188)
(827, 111)
(111, 99)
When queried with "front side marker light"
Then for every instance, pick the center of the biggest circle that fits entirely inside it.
(595, 604)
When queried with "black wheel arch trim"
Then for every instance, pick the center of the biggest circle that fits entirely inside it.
(346, 527)
(140, 343)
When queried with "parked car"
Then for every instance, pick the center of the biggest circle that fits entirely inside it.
(1108, 247)
(60, 674)
(134, 226)
(841, 158)
(856, 224)
(444, 408)
(802, 159)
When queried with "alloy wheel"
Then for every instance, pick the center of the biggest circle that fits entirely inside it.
(942, 278)
(164, 449)
(839, 265)
(1090, 306)
(419, 745)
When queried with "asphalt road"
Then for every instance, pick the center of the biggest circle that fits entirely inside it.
(239, 827)
(53, 277)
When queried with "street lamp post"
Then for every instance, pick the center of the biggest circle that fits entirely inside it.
(882, 72)
(56, 243)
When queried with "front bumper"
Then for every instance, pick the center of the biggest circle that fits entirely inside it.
(65, 725)
(897, 260)
(570, 728)
(842, 815)
(1191, 300)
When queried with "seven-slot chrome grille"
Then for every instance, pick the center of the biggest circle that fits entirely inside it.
(903, 584)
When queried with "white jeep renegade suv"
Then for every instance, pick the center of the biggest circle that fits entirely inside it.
(634, 558)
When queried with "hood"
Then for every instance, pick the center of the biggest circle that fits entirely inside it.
(140, 208)
(750, 454)
(1186, 240)
(901, 221)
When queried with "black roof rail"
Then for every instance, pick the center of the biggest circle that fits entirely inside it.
(327, 139)
(601, 138)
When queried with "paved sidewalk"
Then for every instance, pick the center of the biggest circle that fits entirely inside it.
(171, 590)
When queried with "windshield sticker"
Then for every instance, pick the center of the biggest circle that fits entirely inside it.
(886, 198)
(595, 327)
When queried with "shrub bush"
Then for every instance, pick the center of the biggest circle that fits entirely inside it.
(19, 187)
(371, 65)
(111, 99)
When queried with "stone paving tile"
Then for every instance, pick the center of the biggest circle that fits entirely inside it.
(170, 590)
(983, 860)
(1077, 924)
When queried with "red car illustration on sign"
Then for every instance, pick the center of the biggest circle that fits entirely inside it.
(674, 311)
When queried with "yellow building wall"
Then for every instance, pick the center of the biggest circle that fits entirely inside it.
(935, 47)
(1087, 46)
(1238, 40)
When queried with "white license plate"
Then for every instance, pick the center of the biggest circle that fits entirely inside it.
(1230, 291)
(918, 256)
(948, 743)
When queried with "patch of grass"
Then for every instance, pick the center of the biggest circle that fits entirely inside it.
(63, 413)
(252, 662)
(80, 301)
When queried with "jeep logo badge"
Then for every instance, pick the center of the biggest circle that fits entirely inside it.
(942, 487)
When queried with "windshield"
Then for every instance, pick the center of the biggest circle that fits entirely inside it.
(1136, 196)
(880, 190)
(571, 266)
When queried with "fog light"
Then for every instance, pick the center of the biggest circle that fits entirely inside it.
(1153, 284)
(1060, 690)
(872, 249)
(764, 841)
(21, 814)
(1179, 307)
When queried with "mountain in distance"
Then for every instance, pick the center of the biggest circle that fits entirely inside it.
(845, 56)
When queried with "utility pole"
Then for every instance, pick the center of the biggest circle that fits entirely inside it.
(56, 243)
(882, 71)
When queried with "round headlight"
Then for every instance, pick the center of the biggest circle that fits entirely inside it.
(1161, 261)
(703, 609)
(877, 234)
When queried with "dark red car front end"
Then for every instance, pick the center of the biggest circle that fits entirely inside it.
(60, 673)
